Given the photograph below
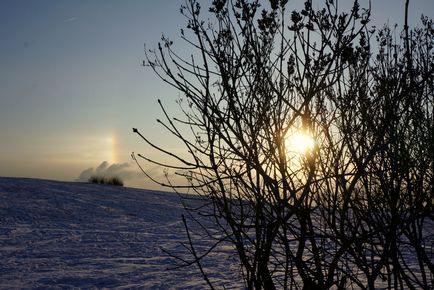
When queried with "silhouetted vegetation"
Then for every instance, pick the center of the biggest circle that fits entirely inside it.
(347, 213)
(114, 180)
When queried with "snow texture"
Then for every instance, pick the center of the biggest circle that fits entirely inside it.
(66, 235)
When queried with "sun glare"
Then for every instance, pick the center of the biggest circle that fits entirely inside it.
(300, 142)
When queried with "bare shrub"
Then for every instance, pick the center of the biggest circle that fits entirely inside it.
(350, 209)
(114, 180)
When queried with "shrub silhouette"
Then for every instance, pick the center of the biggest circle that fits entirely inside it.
(114, 180)
(347, 213)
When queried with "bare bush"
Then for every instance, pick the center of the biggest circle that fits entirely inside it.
(114, 180)
(350, 208)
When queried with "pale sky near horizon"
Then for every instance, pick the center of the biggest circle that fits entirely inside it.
(72, 86)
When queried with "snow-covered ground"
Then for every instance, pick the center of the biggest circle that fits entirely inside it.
(66, 235)
(71, 235)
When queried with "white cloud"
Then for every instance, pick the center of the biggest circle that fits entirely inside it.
(71, 19)
(125, 171)
(131, 175)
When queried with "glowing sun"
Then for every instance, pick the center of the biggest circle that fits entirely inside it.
(300, 142)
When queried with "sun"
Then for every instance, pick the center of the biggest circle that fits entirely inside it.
(300, 142)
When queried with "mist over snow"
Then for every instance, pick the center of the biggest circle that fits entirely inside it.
(122, 170)
(131, 174)
(125, 171)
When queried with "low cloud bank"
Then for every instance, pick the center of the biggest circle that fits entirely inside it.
(130, 175)
(125, 171)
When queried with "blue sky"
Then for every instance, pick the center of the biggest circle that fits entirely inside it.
(72, 85)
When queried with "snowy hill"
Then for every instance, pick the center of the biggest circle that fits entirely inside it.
(65, 235)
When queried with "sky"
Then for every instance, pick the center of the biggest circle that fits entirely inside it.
(72, 86)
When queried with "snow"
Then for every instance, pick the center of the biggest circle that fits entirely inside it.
(69, 235)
